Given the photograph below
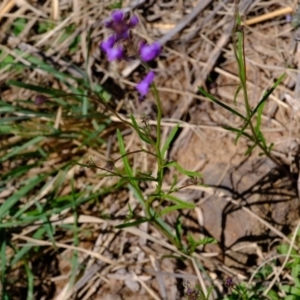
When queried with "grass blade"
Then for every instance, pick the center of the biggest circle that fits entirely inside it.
(12, 200)
(18, 149)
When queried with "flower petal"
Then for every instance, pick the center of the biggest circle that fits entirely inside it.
(150, 52)
(115, 53)
(143, 86)
(108, 23)
(133, 21)
(107, 45)
(117, 16)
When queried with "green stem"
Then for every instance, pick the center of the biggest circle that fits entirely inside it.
(239, 53)
(152, 218)
(160, 159)
(160, 166)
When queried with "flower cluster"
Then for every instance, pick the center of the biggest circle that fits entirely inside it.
(114, 49)
(121, 28)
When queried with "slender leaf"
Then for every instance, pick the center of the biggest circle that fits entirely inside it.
(169, 140)
(124, 154)
(182, 170)
(238, 131)
(250, 149)
(212, 98)
(12, 200)
(132, 224)
(139, 197)
(178, 201)
(259, 115)
(174, 182)
(236, 94)
(178, 230)
(170, 209)
(3, 253)
(37, 88)
(269, 92)
(30, 280)
(16, 150)
(142, 134)
(179, 204)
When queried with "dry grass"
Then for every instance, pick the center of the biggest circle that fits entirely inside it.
(62, 217)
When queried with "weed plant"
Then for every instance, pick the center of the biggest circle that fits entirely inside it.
(15, 213)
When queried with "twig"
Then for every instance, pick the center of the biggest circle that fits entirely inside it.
(279, 12)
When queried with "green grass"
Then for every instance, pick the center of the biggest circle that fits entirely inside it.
(30, 140)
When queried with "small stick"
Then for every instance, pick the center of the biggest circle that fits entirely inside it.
(6, 7)
(25, 4)
(271, 15)
(55, 10)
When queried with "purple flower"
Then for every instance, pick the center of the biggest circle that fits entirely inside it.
(133, 21)
(150, 52)
(107, 45)
(121, 25)
(113, 52)
(143, 86)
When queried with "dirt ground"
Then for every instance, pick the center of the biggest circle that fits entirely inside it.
(249, 204)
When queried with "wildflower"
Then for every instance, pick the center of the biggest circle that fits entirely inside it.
(150, 52)
(107, 45)
(120, 25)
(113, 52)
(143, 86)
